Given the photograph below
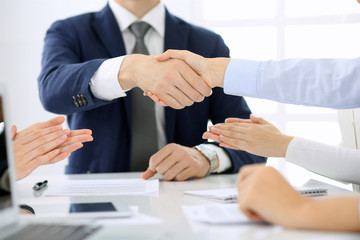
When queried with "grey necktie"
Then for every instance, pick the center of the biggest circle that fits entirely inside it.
(144, 131)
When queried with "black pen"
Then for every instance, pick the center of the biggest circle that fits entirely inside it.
(40, 185)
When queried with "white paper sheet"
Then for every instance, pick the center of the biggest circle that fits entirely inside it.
(216, 213)
(111, 187)
(136, 219)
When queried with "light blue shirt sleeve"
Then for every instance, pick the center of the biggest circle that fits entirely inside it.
(241, 77)
(333, 83)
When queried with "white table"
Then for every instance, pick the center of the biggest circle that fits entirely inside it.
(167, 206)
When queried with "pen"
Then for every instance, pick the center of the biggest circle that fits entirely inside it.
(40, 185)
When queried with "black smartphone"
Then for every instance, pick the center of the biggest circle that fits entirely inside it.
(100, 209)
(92, 207)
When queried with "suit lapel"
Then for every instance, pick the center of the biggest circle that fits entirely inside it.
(109, 33)
(176, 37)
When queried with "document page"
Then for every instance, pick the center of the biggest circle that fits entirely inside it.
(104, 187)
(216, 213)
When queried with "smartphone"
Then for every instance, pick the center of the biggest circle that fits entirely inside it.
(100, 209)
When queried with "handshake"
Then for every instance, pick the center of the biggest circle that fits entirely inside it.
(176, 78)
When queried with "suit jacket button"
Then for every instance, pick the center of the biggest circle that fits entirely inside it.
(79, 100)
(83, 99)
(75, 102)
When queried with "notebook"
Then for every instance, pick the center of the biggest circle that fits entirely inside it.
(229, 195)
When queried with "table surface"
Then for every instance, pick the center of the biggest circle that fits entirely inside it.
(167, 206)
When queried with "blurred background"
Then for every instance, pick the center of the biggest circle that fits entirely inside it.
(253, 29)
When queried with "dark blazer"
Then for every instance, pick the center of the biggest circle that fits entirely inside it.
(73, 51)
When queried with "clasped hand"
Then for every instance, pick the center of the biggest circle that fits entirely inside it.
(175, 78)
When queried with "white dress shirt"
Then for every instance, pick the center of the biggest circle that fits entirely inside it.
(104, 84)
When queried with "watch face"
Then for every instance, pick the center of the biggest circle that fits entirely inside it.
(210, 154)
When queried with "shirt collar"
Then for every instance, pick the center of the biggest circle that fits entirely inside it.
(155, 17)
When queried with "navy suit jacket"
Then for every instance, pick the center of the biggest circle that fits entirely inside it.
(73, 51)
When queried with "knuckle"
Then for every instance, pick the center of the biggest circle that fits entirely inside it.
(179, 177)
(198, 97)
(166, 177)
(179, 106)
(152, 161)
(160, 170)
(188, 102)
(173, 145)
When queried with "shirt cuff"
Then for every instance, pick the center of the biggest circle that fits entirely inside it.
(224, 159)
(104, 83)
(241, 77)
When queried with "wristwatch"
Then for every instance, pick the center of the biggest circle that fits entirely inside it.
(210, 155)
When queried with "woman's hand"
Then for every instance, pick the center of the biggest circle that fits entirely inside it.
(264, 195)
(45, 143)
(254, 135)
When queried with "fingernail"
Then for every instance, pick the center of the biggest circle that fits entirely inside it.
(63, 137)
(66, 131)
(59, 127)
(214, 129)
(56, 152)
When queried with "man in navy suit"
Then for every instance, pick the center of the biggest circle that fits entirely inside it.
(88, 74)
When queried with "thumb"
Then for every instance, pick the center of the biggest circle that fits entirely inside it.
(257, 120)
(148, 174)
(171, 54)
(13, 131)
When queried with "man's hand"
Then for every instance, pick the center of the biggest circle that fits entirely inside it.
(211, 70)
(176, 162)
(172, 81)
(45, 143)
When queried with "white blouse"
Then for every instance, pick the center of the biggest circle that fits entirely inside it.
(339, 163)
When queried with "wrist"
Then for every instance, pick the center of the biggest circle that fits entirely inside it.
(210, 156)
(304, 213)
(128, 71)
(285, 141)
(218, 68)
